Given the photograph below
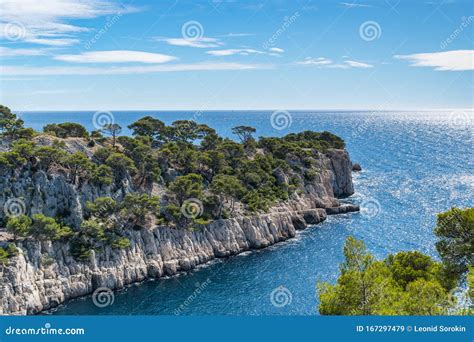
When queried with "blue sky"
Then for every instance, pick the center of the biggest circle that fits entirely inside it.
(224, 54)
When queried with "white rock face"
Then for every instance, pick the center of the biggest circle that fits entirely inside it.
(44, 274)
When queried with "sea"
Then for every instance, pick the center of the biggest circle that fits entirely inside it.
(415, 164)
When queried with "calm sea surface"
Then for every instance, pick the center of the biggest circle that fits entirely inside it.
(415, 164)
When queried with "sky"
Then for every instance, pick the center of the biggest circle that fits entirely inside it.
(241, 55)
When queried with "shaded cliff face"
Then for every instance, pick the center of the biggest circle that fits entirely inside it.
(341, 167)
(44, 274)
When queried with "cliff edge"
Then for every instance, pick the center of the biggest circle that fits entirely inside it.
(82, 211)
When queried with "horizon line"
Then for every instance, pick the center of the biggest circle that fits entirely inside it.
(249, 110)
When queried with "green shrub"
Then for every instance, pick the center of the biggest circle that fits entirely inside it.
(102, 175)
(81, 250)
(46, 228)
(10, 125)
(66, 130)
(255, 201)
(121, 243)
(11, 160)
(94, 229)
(3, 256)
(10, 252)
(49, 156)
(19, 226)
(186, 187)
(121, 165)
(46, 260)
(102, 207)
(403, 284)
(136, 207)
(455, 230)
(310, 175)
(23, 147)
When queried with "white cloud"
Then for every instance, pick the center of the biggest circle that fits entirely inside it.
(323, 62)
(245, 52)
(355, 64)
(203, 42)
(7, 52)
(234, 35)
(116, 56)
(456, 60)
(230, 52)
(277, 50)
(53, 42)
(354, 5)
(125, 70)
(44, 22)
(315, 61)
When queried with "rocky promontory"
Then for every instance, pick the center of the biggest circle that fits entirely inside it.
(68, 249)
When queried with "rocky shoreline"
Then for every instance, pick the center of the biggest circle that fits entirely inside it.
(32, 285)
(44, 274)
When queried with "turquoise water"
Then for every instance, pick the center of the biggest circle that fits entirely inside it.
(415, 164)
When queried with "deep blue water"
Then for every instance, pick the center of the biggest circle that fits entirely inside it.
(415, 164)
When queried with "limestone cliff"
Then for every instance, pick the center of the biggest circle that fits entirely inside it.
(44, 274)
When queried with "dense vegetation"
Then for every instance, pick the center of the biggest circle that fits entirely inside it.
(407, 283)
(204, 176)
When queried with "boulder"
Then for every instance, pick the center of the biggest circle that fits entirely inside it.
(299, 223)
(343, 209)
